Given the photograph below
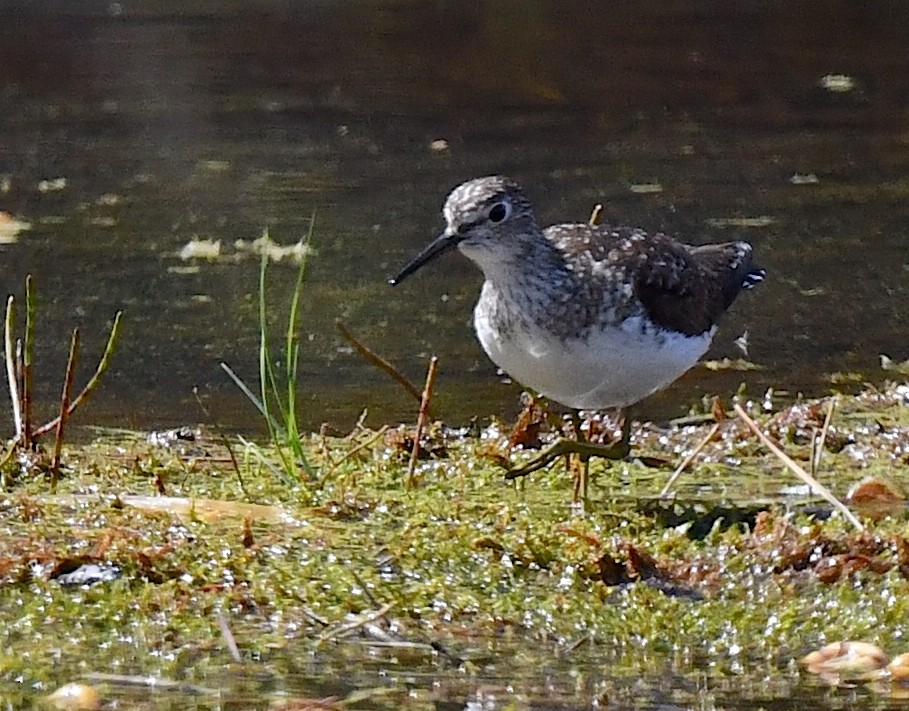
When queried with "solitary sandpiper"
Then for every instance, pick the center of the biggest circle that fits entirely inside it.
(590, 316)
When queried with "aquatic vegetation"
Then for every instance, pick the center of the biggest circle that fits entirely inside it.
(279, 389)
(739, 572)
(19, 357)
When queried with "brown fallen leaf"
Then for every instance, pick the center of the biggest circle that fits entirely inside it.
(877, 498)
(846, 661)
(201, 509)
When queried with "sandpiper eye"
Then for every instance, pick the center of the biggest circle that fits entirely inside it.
(499, 211)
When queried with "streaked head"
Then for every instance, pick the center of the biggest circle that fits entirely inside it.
(485, 217)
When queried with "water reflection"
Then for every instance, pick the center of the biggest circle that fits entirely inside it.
(220, 120)
(356, 674)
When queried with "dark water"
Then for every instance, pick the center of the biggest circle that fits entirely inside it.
(362, 675)
(171, 121)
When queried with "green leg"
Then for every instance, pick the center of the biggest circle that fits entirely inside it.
(586, 450)
(579, 492)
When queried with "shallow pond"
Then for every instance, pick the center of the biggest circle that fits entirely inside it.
(127, 130)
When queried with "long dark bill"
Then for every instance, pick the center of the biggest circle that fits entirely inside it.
(438, 246)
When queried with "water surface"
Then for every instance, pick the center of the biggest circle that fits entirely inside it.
(783, 124)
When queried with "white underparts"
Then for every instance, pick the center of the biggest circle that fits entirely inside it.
(611, 366)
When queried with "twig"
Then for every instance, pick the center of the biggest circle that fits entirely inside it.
(686, 462)
(152, 682)
(358, 425)
(95, 379)
(327, 461)
(595, 214)
(360, 447)
(228, 636)
(20, 387)
(813, 483)
(693, 419)
(64, 407)
(28, 353)
(571, 648)
(356, 624)
(819, 444)
(10, 352)
(224, 441)
(421, 419)
(314, 617)
(378, 360)
(364, 587)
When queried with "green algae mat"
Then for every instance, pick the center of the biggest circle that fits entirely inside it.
(178, 572)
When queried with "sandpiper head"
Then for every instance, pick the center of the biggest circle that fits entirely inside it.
(486, 218)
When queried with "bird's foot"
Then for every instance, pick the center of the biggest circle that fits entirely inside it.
(563, 446)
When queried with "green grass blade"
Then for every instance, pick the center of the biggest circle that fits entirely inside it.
(250, 395)
(277, 399)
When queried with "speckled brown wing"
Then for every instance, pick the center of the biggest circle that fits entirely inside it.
(729, 267)
(687, 289)
(680, 287)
